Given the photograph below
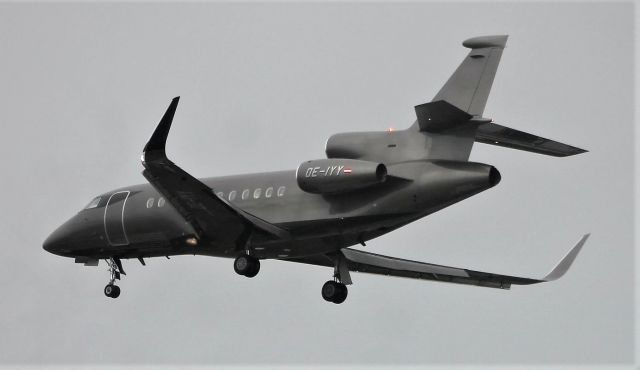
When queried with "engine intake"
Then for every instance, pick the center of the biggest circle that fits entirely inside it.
(337, 175)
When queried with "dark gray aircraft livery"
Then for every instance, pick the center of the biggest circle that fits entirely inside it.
(371, 183)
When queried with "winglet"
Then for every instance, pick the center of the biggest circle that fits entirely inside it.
(154, 149)
(564, 264)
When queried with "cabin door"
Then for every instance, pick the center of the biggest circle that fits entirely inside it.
(114, 219)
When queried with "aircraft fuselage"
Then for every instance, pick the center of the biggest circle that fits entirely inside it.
(136, 221)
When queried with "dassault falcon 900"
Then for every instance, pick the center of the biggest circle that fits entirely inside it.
(371, 183)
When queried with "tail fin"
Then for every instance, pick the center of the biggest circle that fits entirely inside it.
(469, 86)
(455, 113)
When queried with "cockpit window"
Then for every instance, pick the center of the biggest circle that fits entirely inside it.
(93, 204)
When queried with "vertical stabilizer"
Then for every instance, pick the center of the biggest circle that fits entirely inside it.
(469, 86)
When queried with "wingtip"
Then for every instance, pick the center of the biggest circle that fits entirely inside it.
(576, 151)
(565, 263)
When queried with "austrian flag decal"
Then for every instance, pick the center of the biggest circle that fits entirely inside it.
(347, 170)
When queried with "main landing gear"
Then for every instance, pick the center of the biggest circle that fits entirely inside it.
(115, 269)
(336, 290)
(247, 265)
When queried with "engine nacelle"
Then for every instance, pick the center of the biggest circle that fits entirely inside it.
(358, 144)
(336, 175)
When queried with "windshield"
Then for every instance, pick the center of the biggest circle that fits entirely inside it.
(93, 204)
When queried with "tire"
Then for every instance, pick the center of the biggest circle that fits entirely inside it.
(329, 290)
(241, 265)
(108, 290)
(255, 268)
(246, 265)
(334, 292)
(116, 292)
(342, 294)
(112, 291)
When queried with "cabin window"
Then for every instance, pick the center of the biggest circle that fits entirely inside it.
(281, 191)
(269, 192)
(245, 194)
(220, 194)
(150, 202)
(161, 202)
(232, 195)
(93, 204)
(257, 193)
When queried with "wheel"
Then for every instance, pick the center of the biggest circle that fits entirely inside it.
(329, 290)
(246, 265)
(342, 294)
(255, 268)
(116, 292)
(108, 290)
(241, 265)
(112, 291)
(334, 292)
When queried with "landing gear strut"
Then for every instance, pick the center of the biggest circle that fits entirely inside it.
(115, 268)
(246, 265)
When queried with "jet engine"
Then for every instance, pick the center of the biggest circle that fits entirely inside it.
(337, 175)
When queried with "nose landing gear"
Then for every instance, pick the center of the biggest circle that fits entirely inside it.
(115, 269)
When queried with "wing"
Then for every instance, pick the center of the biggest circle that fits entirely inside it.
(213, 218)
(360, 261)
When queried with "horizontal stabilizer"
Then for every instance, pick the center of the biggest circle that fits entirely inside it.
(491, 133)
(439, 116)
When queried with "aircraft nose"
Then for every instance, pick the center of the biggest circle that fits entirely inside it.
(57, 241)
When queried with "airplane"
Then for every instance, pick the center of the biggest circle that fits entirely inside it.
(370, 184)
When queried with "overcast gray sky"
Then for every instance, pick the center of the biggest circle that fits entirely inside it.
(263, 86)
